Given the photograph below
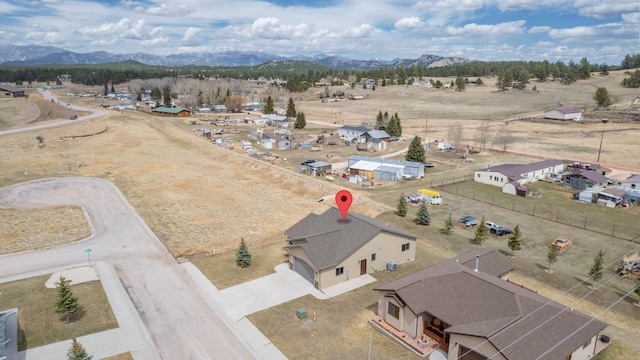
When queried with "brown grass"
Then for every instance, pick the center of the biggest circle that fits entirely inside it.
(19, 232)
(125, 356)
(38, 321)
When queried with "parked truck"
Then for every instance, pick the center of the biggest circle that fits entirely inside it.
(430, 196)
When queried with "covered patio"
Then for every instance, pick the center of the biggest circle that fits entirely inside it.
(423, 345)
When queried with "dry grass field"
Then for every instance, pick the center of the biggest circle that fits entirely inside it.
(198, 197)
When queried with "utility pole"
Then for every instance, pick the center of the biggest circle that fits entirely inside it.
(426, 122)
(600, 148)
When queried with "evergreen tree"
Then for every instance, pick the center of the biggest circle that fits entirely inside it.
(112, 88)
(291, 110)
(448, 226)
(243, 256)
(596, 269)
(482, 233)
(301, 121)
(166, 95)
(268, 106)
(66, 303)
(460, 83)
(156, 94)
(416, 151)
(423, 217)
(399, 124)
(392, 127)
(402, 206)
(552, 255)
(106, 90)
(515, 240)
(602, 97)
(380, 123)
(637, 291)
(479, 82)
(77, 352)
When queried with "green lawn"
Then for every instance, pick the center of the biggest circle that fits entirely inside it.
(38, 322)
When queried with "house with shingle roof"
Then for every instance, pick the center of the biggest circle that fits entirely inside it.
(567, 113)
(327, 250)
(351, 133)
(582, 180)
(517, 175)
(465, 306)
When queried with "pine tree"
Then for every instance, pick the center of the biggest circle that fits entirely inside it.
(416, 151)
(291, 110)
(66, 303)
(380, 123)
(166, 95)
(268, 106)
(423, 217)
(243, 256)
(106, 90)
(112, 88)
(398, 124)
(448, 226)
(602, 97)
(515, 240)
(301, 121)
(77, 352)
(482, 233)
(552, 255)
(596, 269)
(392, 127)
(402, 206)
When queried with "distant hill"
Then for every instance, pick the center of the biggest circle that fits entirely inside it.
(48, 55)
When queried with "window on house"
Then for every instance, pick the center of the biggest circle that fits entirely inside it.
(633, 186)
(478, 175)
(501, 179)
(373, 257)
(405, 247)
(340, 271)
(490, 177)
(586, 343)
(393, 310)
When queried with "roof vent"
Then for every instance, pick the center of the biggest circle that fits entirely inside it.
(477, 261)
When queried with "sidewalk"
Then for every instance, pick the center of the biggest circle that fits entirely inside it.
(130, 336)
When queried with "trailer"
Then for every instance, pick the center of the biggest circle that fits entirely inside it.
(430, 196)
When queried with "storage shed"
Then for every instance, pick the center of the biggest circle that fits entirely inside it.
(319, 168)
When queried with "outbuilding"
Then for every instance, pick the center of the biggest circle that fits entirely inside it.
(171, 111)
(11, 91)
(568, 113)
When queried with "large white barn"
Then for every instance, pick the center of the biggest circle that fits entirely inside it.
(511, 177)
(564, 114)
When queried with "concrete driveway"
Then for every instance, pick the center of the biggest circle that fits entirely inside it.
(181, 323)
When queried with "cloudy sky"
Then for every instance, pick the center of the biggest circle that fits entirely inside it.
(604, 31)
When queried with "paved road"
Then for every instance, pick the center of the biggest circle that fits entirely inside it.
(48, 96)
(180, 321)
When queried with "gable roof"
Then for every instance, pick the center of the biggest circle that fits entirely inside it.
(569, 110)
(327, 240)
(169, 110)
(378, 134)
(596, 177)
(515, 171)
(519, 323)
(632, 179)
(362, 129)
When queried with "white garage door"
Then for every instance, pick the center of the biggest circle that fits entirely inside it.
(302, 268)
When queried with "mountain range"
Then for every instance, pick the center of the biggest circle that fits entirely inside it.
(48, 55)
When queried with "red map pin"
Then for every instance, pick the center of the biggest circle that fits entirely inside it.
(344, 199)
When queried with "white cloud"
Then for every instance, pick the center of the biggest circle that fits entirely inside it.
(190, 34)
(272, 28)
(125, 28)
(363, 30)
(507, 28)
(633, 18)
(513, 5)
(170, 10)
(606, 9)
(409, 22)
(156, 41)
(539, 29)
(434, 7)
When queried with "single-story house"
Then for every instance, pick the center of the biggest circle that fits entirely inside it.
(611, 197)
(9, 334)
(268, 142)
(326, 250)
(376, 144)
(220, 108)
(585, 179)
(171, 111)
(349, 132)
(251, 106)
(632, 182)
(367, 166)
(273, 119)
(12, 91)
(375, 134)
(466, 307)
(500, 175)
(283, 144)
(567, 113)
(246, 145)
(281, 122)
(319, 168)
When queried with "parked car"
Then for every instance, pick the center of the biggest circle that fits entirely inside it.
(73, 117)
(468, 220)
(307, 162)
(497, 229)
(429, 164)
(561, 243)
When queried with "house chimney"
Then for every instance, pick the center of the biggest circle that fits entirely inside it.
(477, 261)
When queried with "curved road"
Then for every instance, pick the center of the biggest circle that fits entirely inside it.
(180, 322)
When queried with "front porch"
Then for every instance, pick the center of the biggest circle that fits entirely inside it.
(421, 345)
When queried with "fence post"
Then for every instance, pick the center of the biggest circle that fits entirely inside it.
(513, 202)
(456, 189)
(493, 198)
(534, 210)
(613, 232)
(558, 216)
(474, 194)
(585, 222)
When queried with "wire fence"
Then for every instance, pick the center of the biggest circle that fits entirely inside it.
(456, 185)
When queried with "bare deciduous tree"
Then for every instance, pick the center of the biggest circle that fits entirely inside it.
(483, 134)
(503, 139)
(455, 134)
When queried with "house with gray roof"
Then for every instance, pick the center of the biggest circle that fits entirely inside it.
(171, 111)
(327, 250)
(466, 308)
(384, 169)
(501, 175)
(352, 133)
(632, 182)
(11, 91)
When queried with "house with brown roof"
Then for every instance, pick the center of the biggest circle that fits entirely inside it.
(511, 177)
(566, 113)
(466, 308)
(327, 250)
(582, 180)
(11, 91)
